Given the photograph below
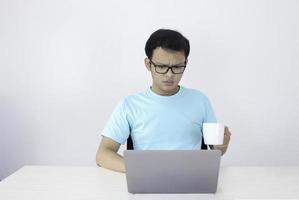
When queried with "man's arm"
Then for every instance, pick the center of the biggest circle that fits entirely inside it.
(108, 157)
(219, 147)
(224, 146)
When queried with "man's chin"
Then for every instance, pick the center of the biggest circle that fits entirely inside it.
(168, 88)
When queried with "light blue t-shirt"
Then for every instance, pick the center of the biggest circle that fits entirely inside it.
(161, 122)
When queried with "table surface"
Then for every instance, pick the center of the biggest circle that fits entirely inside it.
(70, 182)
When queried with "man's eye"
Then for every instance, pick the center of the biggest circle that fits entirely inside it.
(162, 66)
(178, 67)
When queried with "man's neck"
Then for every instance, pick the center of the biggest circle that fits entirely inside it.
(163, 93)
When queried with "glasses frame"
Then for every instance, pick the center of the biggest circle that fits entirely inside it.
(168, 67)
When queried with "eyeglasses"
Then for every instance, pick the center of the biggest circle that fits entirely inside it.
(163, 69)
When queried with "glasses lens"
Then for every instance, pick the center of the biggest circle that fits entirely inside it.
(161, 69)
(178, 70)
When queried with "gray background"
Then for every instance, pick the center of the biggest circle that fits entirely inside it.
(64, 65)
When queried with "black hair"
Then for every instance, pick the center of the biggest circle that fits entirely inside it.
(167, 39)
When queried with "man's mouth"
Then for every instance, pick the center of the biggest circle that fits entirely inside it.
(168, 82)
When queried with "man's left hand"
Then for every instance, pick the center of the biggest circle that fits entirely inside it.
(226, 140)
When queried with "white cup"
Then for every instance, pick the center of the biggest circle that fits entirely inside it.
(213, 133)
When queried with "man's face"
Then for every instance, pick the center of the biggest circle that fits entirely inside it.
(165, 84)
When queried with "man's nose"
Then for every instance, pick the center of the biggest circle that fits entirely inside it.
(169, 73)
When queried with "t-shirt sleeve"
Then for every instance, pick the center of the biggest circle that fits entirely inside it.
(209, 113)
(117, 127)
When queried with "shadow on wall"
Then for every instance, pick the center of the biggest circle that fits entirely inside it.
(16, 141)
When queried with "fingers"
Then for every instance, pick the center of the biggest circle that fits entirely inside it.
(227, 135)
(226, 139)
(226, 131)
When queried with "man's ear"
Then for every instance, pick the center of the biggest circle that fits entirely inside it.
(186, 61)
(147, 64)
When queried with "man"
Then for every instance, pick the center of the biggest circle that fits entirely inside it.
(164, 116)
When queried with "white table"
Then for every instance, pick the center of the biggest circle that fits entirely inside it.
(56, 182)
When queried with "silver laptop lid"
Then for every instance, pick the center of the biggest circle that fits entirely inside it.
(172, 171)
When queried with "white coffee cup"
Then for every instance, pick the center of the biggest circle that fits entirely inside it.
(213, 133)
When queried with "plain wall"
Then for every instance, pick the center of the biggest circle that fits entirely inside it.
(64, 66)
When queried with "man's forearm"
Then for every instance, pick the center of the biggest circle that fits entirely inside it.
(111, 160)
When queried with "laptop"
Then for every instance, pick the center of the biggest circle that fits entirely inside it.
(172, 171)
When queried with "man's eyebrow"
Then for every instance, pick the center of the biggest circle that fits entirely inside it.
(158, 63)
(183, 63)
